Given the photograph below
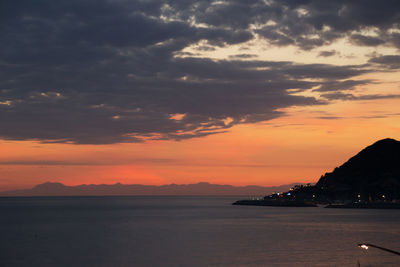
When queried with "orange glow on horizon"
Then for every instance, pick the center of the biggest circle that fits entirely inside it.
(298, 147)
(294, 148)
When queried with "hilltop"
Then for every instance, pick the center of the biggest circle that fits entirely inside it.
(370, 179)
(374, 173)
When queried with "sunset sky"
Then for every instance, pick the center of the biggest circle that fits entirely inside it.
(256, 92)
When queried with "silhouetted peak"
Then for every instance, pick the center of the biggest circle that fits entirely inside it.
(382, 150)
(387, 143)
(375, 164)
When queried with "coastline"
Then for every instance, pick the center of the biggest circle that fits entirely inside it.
(274, 203)
(382, 205)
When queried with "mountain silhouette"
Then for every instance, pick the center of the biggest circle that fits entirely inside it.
(373, 173)
(370, 179)
(202, 188)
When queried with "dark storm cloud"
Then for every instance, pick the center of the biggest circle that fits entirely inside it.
(388, 61)
(366, 40)
(345, 96)
(243, 56)
(327, 53)
(341, 85)
(309, 24)
(99, 72)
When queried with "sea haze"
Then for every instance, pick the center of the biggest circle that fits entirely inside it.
(188, 231)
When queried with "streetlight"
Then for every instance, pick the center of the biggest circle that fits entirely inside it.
(366, 246)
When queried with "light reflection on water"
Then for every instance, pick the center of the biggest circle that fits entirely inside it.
(189, 231)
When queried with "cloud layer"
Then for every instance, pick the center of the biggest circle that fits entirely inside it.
(98, 72)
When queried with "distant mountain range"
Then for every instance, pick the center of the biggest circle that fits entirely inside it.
(199, 189)
(371, 175)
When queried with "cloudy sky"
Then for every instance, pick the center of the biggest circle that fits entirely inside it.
(156, 91)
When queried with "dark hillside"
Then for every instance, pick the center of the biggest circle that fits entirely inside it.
(374, 173)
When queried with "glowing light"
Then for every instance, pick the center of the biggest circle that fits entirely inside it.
(363, 246)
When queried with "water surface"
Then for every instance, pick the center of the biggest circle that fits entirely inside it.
(189, 231)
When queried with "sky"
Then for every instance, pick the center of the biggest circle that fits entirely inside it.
(256, 92)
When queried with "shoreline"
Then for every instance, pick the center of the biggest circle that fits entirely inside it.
(364, 206)
(273, 203)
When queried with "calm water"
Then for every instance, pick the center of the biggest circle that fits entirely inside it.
(189, 231)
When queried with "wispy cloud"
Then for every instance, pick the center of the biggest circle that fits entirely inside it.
(345, 96)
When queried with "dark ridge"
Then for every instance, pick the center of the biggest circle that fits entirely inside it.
(373, 172)
(370, 179)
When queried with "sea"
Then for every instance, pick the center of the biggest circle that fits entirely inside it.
(189, 231)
